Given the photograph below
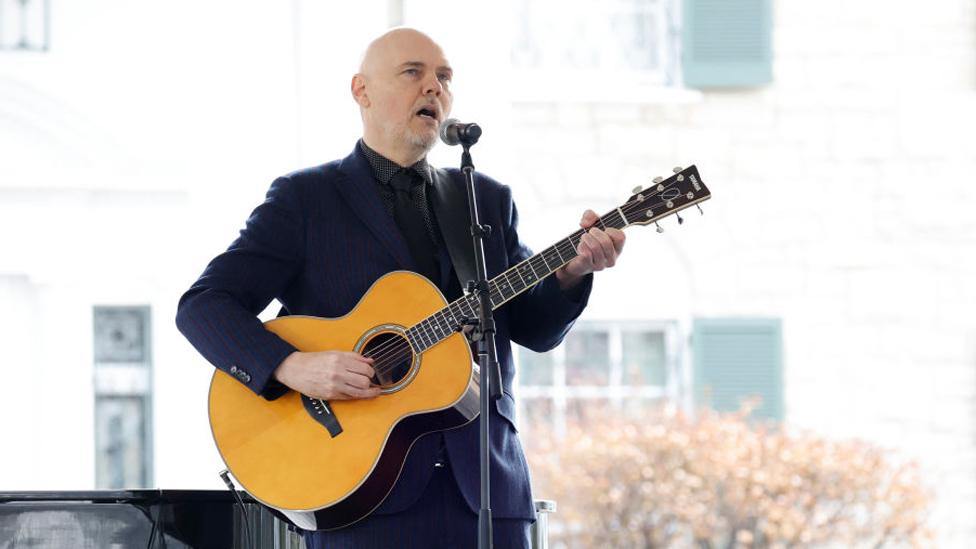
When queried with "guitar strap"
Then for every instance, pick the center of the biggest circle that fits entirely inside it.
(450, 202)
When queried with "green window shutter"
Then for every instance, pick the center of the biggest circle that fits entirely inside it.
(727, 43)
(739, 358)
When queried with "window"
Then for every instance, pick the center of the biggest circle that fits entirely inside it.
(598, 36)
(727, 43)
(123, 397)
(25, 25)
(623, 365)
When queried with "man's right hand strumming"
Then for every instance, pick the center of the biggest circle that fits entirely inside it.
(329, 375)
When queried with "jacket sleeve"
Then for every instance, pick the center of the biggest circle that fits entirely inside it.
(540, 318)
(218, 314)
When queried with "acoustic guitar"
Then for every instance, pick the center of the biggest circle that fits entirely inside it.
(327, 464)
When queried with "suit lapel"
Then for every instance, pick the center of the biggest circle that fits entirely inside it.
(358, 187)
(450, 204)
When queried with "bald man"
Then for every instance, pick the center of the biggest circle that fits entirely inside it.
(325, 234)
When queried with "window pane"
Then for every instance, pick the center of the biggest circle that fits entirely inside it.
(534, 368)
(587, 358)
(644, 359)
(120, 334)
(589, 34)
(120, 443)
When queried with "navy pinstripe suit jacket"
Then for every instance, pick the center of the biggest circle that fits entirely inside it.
(317, 243)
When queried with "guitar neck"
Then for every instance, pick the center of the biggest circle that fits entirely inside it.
(666, 197)
(507, 285)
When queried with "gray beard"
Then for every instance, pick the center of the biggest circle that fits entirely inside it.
(425, 142)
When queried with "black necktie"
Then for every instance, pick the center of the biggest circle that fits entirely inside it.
(410, 219)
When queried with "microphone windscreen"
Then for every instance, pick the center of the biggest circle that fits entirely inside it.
(449, 132)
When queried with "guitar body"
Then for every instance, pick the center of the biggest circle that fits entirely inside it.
(284, 455)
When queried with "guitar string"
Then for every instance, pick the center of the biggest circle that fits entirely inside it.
(391, 354)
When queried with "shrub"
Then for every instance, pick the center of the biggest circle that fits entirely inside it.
(721, 481)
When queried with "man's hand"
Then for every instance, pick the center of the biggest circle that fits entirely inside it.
(597, 250)
(329, 375)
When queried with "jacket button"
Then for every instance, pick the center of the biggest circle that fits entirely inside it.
(246, 377)
(233, 370)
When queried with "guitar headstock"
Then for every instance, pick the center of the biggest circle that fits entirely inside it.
(664, 197)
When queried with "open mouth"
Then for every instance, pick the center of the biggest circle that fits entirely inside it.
(428, 113)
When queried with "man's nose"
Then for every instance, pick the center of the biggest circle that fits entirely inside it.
(433, 85)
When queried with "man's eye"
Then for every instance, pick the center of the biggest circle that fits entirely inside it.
(444, 77)
(411, 71)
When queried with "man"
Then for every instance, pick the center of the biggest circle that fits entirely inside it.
(325, 234)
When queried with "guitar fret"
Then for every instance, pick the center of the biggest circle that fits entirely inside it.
(436, 329)
(472, 302)
(522, 278)
(544, 267)
(504, 285)
(623, 219)
(575, 249)
(425, 338)
(421, 343)
(543, 256)
(434, 326)
(557, 262)
(516, 284)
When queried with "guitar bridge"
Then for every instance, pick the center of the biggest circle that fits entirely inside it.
(322, 413)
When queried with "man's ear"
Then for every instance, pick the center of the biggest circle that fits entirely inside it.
(358, 89)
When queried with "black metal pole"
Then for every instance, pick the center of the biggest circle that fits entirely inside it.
(484, 334)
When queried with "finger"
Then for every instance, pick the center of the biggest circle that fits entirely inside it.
(356, 392)
(618, 237)
(597, 253)
(358, 357)
(606, 246)
(357, 381)
(589, 218)
(360, 368)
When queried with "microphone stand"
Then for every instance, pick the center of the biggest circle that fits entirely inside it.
(484, 335)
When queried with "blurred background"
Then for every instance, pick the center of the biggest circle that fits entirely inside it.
(830, 279)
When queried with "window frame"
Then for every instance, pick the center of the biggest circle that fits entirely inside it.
(615, 392)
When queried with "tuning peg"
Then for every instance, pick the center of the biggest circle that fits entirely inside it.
(660, 229)
(699, 209)
(658, 179)
(676, 169)
(637, 189)
(680, 219)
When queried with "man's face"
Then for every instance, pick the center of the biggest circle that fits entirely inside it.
(407, 91)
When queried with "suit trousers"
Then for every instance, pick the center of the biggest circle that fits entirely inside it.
(440, 519)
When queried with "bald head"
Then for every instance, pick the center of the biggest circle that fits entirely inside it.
(385, 46)
(403, 92)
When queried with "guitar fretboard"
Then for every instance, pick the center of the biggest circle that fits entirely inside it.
(505, 286)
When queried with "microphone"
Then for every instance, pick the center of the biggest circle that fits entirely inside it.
(454, 132)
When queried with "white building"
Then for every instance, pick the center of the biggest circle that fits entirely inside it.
(135, 142)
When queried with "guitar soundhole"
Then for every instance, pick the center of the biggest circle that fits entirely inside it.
(392, 357)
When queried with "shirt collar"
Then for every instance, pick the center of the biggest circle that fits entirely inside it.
(384, 169)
